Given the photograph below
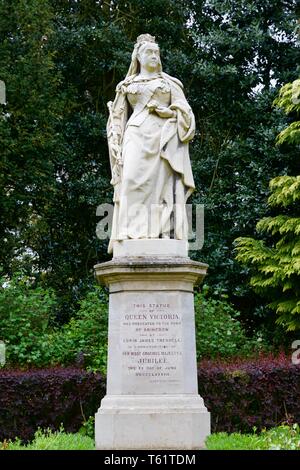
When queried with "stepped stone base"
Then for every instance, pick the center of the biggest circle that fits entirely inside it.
(152, 399)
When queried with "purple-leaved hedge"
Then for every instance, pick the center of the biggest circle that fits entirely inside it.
(46, 398)
(243, 394)
(240, 395)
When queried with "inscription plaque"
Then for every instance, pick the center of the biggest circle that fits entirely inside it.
(152, 342)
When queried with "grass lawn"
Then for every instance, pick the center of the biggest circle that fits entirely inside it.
(280, 438)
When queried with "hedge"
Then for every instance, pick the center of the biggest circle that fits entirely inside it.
(46, 398)
(261, 393)
(240, 395)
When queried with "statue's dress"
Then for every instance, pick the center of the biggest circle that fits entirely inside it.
(156, 172)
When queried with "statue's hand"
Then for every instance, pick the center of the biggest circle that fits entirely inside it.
(165, 112)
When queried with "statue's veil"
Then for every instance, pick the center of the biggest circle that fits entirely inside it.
(134, 67)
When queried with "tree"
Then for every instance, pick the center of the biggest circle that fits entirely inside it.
(289, 101)
(276, 261)
(244, 51)
(61, 61)
(28, 137)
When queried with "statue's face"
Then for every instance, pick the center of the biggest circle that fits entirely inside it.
(148, 57)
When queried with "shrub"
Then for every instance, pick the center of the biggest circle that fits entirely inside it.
(240, 395)
(220, 333)
(243, 394)
(84, 338)
(88, 428)
(25, 313)
(46, 398)
(32, 340)
(275, 264)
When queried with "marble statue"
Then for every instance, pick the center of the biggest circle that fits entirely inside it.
(152, 400)
(149, 128)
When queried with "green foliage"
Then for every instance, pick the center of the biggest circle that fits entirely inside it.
(33, 339)
(28, 134)
(285, 191)
(84, 338)
(219, 332)
(50, 145)
(276, 268)
(88, 428)
(61, 62)
(281, 438)
(234, 441)
(276, 262)
(289, 100)
(237, 51)
(25, 314)
(52, 440)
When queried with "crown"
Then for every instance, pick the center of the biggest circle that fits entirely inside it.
(145, 38)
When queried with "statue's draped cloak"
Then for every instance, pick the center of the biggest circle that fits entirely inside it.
(156, 171)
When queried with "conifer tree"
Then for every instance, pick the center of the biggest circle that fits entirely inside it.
(276, 261)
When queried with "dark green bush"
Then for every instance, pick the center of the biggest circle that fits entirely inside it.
(32, 340)
(25, 314)
(84, 338)
(219, 331)
(29, 334)
(88, 427)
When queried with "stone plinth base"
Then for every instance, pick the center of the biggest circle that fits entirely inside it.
(152, 422)
(152, 399)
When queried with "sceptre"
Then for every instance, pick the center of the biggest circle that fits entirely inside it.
(114, 147)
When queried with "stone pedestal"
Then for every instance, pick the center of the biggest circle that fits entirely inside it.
(152, 399)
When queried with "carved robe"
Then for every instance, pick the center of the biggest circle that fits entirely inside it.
(155, 180)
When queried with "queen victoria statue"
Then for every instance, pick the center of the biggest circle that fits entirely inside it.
(149, 128)
(152, 400)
